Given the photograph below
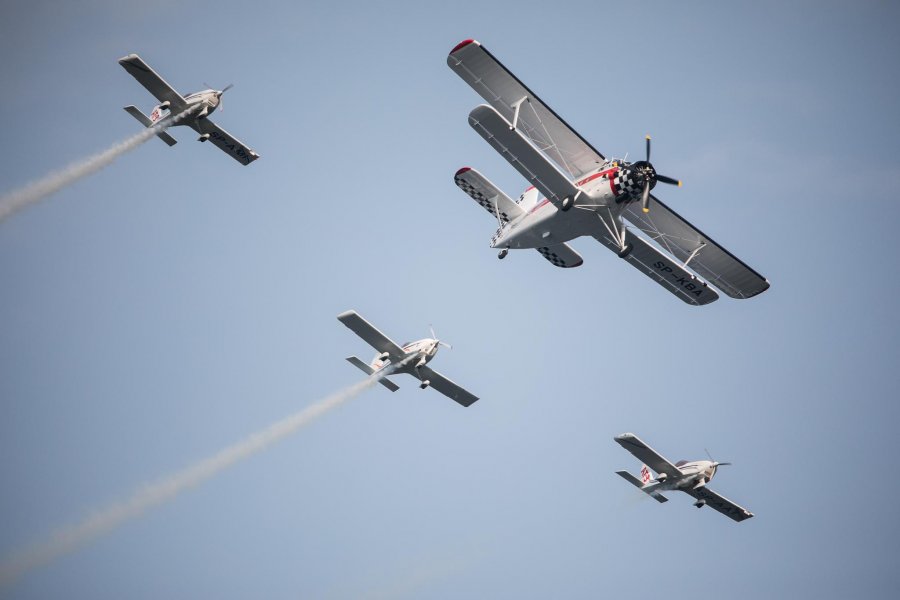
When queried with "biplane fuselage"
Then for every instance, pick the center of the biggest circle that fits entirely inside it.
(543, 223)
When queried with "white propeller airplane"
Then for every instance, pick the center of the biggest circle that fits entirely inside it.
(566, 172)
(413, 356)
(200, 104)
(690, 477)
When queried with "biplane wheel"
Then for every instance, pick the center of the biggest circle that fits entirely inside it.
(502, 254)
(567, 203)
(625, 251)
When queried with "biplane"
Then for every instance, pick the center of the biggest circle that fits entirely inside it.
(577, 191)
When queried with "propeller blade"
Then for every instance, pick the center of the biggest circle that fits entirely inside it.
(648, 148)
(226, 88)
(645, 197)
(445, 345)
(433, 336)
(669, 180)
(723, 464)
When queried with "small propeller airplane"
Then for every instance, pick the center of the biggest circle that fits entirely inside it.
(690, 477)
(198, 105)
(412, 356)
(566, 172)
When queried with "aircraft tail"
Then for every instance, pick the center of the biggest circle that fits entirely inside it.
(146, 122)
(639, 483)
(356, 362)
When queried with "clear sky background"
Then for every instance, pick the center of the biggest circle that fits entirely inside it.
(177, 301)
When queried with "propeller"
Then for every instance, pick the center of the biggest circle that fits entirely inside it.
(439, 342)
(220, 105)
(715, 463)
(650, 177)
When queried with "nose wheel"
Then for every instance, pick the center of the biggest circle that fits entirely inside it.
(502, 254)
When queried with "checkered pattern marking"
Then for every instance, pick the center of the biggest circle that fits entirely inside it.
(480, 198)
(552, 257)
(627, 184)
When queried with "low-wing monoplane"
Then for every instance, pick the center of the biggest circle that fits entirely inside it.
(690, 477)
(566, 172)
(413, 358)
(192, 110)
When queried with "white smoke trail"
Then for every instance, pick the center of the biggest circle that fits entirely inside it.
(71, 538)
(55, 181)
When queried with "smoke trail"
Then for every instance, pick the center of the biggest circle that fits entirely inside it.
(71, 538)
(55, 181)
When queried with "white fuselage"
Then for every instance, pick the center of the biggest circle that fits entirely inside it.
(416, 353)
(604, 193)
(695, 473)
(203, 103)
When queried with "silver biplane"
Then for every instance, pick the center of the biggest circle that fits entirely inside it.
(690, 477)
(413, 358)
(566, 172)
(198, 105)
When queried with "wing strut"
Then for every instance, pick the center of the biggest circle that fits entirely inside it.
(517, 105)
(693, 254)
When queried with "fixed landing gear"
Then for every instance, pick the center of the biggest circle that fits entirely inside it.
(424, 384)
(625, 251)
(567, 203)
(502, 254)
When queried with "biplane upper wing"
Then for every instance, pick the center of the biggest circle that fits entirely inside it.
(690, 245)
(445, 386)
(155, 84)
(503, 90)
(225, 141)
(647, 455)
(720, 503)
(371, 335)
(522, 154)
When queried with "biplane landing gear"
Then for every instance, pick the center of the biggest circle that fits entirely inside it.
(424, 384)
(625, 251)
(567, 203)
(502, 254)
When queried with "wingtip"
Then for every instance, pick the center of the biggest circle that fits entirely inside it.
(461, 171)
(463, 44)
(128, 58)
(345, 314)
(624, 436)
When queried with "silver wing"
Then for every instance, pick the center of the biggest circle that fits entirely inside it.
(688, 244)
(445, 386)
(225, 141)
(661, 268)
(155, 84)
(503, 90)
(486, 194)
(647, 455)
(371, 335)
(720, 503)
(522, 154)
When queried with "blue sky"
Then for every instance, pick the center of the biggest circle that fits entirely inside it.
(176, 301)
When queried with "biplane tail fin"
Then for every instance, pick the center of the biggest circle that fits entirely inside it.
(356, 362)
(146, 122)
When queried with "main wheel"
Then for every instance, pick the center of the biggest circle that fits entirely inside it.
(567, 203)
(625, 251)
(503, 253)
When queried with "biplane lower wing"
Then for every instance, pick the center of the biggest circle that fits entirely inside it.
(647, 455)
(445, 386)
(720, 503)
(661, 268)
(561, 255)
(522, 154)
(371, 335)
(690, 245)
(224, 141)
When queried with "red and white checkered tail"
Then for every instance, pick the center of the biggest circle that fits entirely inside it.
(645, 475)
